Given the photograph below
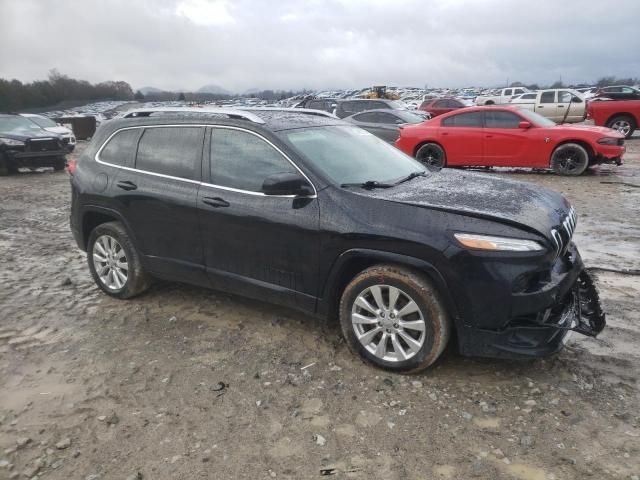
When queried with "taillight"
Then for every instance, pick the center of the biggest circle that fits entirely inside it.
(72, 166)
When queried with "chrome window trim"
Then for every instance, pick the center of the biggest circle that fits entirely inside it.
(199, 182)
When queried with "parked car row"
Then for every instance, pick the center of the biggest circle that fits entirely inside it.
(312, 212)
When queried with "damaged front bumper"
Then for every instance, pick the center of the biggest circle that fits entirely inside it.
(577, 309)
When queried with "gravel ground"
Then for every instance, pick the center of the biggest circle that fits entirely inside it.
(188, 383)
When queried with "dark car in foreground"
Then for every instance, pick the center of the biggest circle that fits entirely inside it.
(319, 215)
(385, 124)
(24, 144)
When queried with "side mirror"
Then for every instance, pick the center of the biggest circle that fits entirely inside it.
(524, 125)
(287, 184)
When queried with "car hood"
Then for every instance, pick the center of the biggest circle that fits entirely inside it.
(59, 130)
(593, 129)
(24, 135)
(521, 204)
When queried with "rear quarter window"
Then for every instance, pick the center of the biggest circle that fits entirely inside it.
(471, 119)
(120, 150)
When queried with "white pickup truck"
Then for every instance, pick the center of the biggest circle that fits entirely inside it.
(501, 96)
(562, 105)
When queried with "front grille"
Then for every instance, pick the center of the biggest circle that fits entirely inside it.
(42, 145)
(562, 235)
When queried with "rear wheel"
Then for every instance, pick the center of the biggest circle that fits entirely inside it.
(432, 156)
(394, 318)
(114, 262)
(4, 167)
(624, 124)
(569, 159)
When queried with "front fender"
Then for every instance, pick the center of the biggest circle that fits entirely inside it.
(362, 258)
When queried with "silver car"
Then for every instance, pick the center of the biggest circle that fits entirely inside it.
(385, 123)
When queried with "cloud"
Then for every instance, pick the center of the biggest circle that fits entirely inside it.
(241, 44)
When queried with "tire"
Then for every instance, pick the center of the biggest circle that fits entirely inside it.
(136, 279)
(400, 354)
(623, 124)
(4, 167)
(432, 156)
(569, 159)
(59, 164)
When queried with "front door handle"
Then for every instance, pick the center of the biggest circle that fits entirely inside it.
(126, 185)
(215, 202)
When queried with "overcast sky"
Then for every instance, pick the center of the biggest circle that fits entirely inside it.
(283, 44)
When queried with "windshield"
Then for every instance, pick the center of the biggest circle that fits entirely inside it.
(410, 117)
(350, 154)
(43, 122)
(14, 124)
(536, 118)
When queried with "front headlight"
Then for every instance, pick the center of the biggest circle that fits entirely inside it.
(608, 141)
(500, 244)
(11, 142)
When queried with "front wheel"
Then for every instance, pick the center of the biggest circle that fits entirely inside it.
(114, 262)
(569, 159)
(432, 156)
(59, 164)
(624, 124)
(394, 318)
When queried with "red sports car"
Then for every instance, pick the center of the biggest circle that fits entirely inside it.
(509, 137)
(438, 106)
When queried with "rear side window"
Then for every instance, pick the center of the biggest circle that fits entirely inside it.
(242, 160)
(471, 119)
(121, 149)
(174, 151)
(384, 117)
(369, 117)
(498, 119)
(548, 97)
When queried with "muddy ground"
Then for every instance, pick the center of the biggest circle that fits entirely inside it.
(186, 383)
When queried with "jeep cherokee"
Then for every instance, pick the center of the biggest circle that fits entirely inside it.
(319, 215)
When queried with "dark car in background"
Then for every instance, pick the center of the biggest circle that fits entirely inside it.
(618, 92)
(313, 213)
(438, 106)
(24, 144)
(384, 124)
(346, 108)
(326, 104)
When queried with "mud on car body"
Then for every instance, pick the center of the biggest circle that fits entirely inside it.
(319, 215)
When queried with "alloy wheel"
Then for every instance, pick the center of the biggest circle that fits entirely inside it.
(110, 262)
(388, 323)
(570, 160)
(623, 126)
(430, 156)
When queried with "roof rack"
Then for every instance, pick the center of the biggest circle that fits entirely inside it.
(307, 111)
(240, 114)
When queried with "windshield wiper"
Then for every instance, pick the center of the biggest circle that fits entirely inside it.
(411, 176)
(368, 185)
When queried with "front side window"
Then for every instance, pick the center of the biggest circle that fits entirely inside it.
(507, 92)
(383, 117)
(173, 151)
(368, 117)
(498, 119)
(471, 119)
(121, 149)
(243, 160)
(564, 96)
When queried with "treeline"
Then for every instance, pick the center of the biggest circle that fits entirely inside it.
(601, 82)
(15, 95)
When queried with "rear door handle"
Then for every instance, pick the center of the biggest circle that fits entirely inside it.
(215, 202)
(126, 185)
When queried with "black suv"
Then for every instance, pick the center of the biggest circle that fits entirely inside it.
(25, 144)
(346, 108)
(320, 215)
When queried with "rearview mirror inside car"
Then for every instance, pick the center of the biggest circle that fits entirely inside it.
(524, 125)
(286, 184)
